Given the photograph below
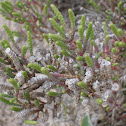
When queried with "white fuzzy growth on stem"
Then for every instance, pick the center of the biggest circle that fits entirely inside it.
(14, 58)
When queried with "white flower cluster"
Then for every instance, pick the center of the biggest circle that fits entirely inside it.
(106, 95)
(105, 68)
(115, 87)
(104, 104)
(14, 58)
(72, 83)
(96, 85)
(19, 77)
(85, 102)
(89, 75)
(41, 78)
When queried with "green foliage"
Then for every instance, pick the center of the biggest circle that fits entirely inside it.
(92, 35)
(16, 34)
(89, 30)
(48, 2)
(124, 105)
(80, 58)
(29, 38)
(72, 18)
(115, 64)
(99, 101)
(27, 96)
(30, 122)
(56, 56)
(14, 83)
(105, 28)
(86, 121)
(9, 74)
(24, 74)
(19, 4)
(9, 33)
(5, 100)
(121, 44)
(24, 50)
(94, 5)
(62, 44)
(8, 102)
(82, 28)
(63, 90)
(12, 100)
(46, 37)
(58, 14)
(99, 54)
(64, 52)
(88, 60)
(79, 45)
(35, 66)
(113, 50)
(27, 26)
(57, 27)
(51, 67)
(52, 93)
(16, 109)
(7, 6)
(6, 95)
(16, 14)
(80, 31)
(45, 10)
(108, 58)
(71, 48)
(116, 43)
(115, 78)
(5, 44)
(106, 38)
(36, 103)
(55, 37)
(107, 108)
(83, 22)
(120, 32)
(82, 84)
(83, 94)
(114, 29)
(120, 6)
(92, 43)
(45, 71)
(3, 61)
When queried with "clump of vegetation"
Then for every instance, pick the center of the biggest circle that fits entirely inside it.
(76, 66)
